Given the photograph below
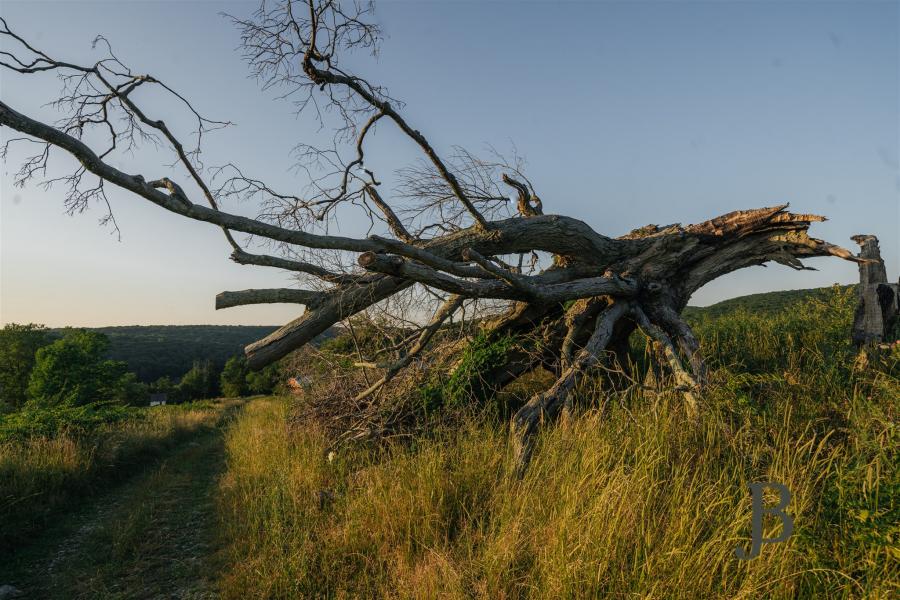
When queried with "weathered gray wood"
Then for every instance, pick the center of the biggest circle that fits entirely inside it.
(684, 380)
(546, 405)
(337, 305)
(559, 292)
(268, 296)
(877, 308)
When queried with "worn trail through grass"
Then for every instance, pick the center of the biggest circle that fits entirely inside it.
(153, 536)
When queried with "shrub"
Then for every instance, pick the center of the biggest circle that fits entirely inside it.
(233, 379)
(264, 381)
(72, 372)
(39, 420)
(18, 345)
(200, 382)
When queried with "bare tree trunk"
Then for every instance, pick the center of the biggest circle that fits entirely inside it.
(877, 310)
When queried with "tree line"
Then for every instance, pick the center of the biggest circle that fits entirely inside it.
(40, 368)
(154, 351)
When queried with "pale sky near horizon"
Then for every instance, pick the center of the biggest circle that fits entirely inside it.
(627, 113)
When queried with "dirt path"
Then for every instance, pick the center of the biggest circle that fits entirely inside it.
(151, 537)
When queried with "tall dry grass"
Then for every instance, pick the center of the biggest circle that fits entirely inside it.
(613, 505)
(40, 475)
(629, 501)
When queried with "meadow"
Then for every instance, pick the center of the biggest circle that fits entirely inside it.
(628, 499)
(42, 476)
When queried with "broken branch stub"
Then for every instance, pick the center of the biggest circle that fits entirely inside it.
(877, 309)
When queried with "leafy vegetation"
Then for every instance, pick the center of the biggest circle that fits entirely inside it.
(480, 356)
(36, 420)
(70, 386)
(18, 346)
(71, 371)
(238, 380)
(202, 381)
(465, 382)
(63, 382)
(264, 381)
(233, 379)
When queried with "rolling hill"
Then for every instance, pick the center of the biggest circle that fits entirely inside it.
(154, 351)
(767, 302)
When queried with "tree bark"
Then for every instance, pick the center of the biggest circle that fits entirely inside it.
(877, 309)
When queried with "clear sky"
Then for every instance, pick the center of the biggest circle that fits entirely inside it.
(628, 114)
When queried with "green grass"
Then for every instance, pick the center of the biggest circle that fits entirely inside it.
(766, 302)
(41, 476)
(627, 500)
(154, 536)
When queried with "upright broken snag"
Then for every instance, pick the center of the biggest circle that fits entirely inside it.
(877, 310)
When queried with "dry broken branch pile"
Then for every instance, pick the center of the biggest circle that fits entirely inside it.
(460, 235)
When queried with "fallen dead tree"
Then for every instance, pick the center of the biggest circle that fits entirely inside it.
(460, 238)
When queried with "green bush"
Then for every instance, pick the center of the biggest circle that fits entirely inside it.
(72, 372)
(481, 356)
(38, 420)
(200, 382)
(233, 379)
(265, 380)
(18, 345)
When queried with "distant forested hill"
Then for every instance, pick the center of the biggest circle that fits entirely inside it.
(756, 303)
(153, 351)
(157, 350)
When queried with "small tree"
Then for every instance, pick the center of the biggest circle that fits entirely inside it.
(200, 382)
(263, 381)
(18, 345)
(164, 385)
(127, 389)
(234, 377)
(72, 371)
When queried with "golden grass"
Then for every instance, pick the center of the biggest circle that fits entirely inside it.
(645, 505)
(629, 501)
(40, 475)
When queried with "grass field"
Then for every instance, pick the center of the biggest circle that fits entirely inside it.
(41, 476)
(628, 500)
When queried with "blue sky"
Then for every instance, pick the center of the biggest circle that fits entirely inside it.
(627, 113)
